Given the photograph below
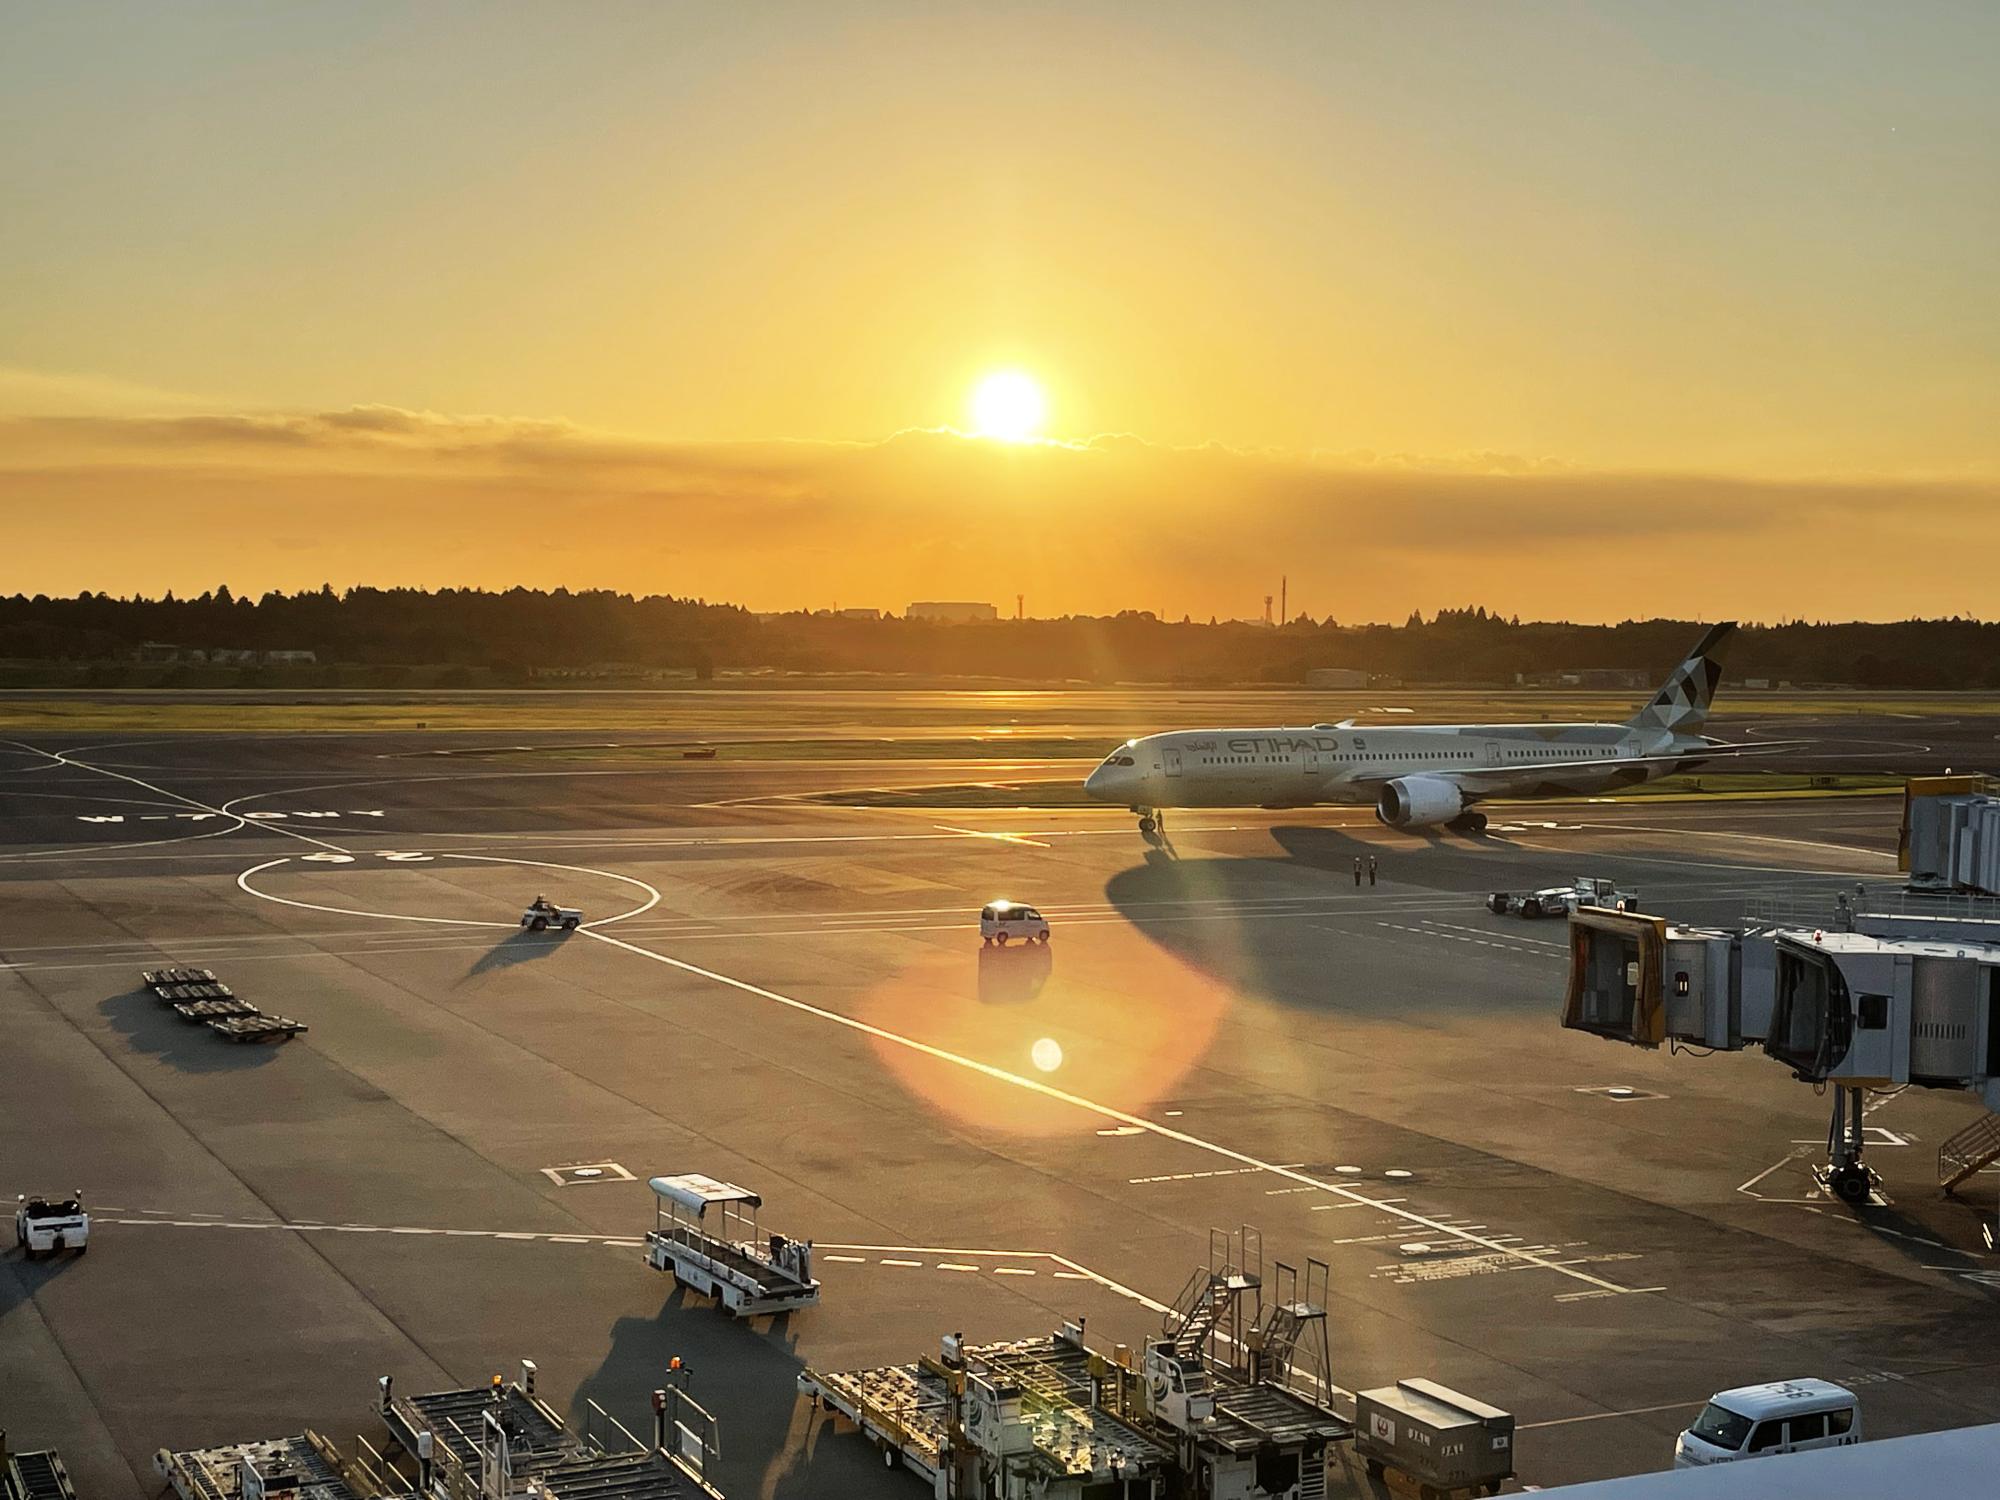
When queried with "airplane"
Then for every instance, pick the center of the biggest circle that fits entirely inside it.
(1420, 775)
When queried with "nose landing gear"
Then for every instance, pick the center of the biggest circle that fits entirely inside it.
(1152, 825)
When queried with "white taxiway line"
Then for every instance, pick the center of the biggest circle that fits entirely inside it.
(1599, 1416)
(1106, 1111)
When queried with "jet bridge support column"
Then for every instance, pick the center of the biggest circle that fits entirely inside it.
(1848, 1175)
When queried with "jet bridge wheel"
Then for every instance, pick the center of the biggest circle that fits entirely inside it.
(1850, 1184)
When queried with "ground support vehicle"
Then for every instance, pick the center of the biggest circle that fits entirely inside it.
(1561, 900)
(726, 1258)
(45, 1226)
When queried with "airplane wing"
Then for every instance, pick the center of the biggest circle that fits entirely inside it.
(1496, 780)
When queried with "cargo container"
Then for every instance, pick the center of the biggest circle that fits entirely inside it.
(1445, 1441)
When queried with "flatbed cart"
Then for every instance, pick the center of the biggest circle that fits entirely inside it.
(748, 1273)
(257, 1027)
(155, 978)
(211, 1010)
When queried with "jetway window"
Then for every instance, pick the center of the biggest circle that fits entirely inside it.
(1811, 1025)
(1872, 1012)
(1680, 981)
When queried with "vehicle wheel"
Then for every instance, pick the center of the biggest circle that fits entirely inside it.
(1850, 1185)
(1531, 908)
(569, 924)
(1001, 940)
(888, 1458)
(540, 924)
(1374, 1468)
(986, 942)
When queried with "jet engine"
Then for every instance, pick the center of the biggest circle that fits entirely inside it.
(1417, 801)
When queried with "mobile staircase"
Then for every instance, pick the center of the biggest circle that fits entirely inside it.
(1971, 1150)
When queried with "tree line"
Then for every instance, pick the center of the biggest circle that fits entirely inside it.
(517, 634)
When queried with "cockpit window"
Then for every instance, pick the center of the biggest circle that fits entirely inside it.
(1118, 760)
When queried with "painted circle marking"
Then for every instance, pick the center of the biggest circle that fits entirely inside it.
(653, 897)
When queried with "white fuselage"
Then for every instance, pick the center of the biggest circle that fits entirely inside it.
(1344, 764)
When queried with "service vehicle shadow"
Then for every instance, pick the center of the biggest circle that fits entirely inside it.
(1015, 974)
(519, 948)
(21, 1278)
(153, 1028)
(746, 1372)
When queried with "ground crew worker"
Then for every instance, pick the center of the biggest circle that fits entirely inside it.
(1357, 872)
(1371, 869)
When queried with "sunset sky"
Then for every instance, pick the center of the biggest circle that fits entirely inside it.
(1566, 309)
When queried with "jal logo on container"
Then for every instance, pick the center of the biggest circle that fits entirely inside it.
(1381, 1428)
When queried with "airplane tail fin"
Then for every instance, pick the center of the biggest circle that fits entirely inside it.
(1681, 704)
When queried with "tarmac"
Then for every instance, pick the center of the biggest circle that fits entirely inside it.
(791, 994)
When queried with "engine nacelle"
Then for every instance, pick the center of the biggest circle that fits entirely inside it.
(1417, 801)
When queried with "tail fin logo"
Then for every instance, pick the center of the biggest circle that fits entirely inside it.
(1681, 704)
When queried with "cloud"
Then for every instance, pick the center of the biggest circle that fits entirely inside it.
(389, 495)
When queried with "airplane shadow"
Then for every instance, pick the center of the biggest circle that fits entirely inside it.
(1251, 921)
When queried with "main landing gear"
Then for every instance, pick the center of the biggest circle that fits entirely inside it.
(1468, 822)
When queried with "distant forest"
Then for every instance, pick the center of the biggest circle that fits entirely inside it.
(470, 637)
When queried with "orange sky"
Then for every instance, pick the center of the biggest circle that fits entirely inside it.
(1564, 309)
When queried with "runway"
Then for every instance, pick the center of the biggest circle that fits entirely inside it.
(790, 993)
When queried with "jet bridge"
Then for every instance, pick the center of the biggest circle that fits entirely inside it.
(1867, 999)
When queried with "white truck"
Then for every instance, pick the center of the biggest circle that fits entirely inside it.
(542, 914)
(47, 1227)
(1561, 900)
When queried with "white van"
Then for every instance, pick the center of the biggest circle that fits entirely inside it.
(1785, 1416)
(1007, 921)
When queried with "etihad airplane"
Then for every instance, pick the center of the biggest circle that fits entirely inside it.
(1419, 775)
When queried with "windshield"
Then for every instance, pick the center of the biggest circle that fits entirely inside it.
(1721, 1426)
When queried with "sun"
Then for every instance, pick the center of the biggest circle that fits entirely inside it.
(1008, 405)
